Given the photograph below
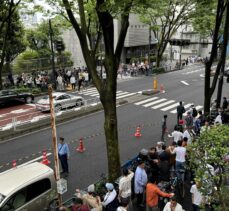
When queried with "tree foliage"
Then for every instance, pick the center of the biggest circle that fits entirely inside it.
(165, 17)
(204, 17)
(11, 42)
(211, 149)
(93, 22)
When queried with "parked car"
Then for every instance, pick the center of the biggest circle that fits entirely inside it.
(12, 95)
(29, 187)
(61, 100)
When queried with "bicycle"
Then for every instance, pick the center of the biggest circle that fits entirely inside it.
(178, 185)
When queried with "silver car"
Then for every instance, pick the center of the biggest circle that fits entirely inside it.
(61, 100)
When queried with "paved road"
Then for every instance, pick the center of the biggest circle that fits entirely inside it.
(88, 166)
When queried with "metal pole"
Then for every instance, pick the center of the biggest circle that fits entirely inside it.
(54, 140)
(149, 44)
(53, 55)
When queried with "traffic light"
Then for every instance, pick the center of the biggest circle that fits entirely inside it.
(179, 42)
(185, 42)
(59, 45)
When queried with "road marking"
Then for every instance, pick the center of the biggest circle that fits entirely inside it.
(185, 83)
(163, 104)
(169, 107)
(155, 102)
(202, 75)
(145, 101)
(126, 95)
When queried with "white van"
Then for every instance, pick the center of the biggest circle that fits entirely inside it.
(28, 188)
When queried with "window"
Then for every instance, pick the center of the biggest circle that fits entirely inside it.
(28, 193)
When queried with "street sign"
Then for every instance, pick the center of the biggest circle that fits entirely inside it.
(62, 186)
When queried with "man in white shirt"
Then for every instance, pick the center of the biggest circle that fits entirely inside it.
(189, 133)
(125, 184)
(173, 205)
(180, 152)
(197, 198)
(176, 134)
(110, 195)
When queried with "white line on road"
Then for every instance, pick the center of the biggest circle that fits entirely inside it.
(185, 83)
(163, 104)
(145, 101)
(155, 102)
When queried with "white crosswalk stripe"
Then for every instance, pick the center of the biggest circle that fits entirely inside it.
(155, 102)
(165, 105)
(145, 101)
(169, 107)
(93, 92)
(126, 95)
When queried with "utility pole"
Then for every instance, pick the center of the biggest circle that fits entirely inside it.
(54, 140)
(53, 55)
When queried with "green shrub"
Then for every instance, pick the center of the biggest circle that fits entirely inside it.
(158, 70)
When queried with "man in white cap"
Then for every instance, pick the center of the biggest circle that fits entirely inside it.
(90, 199)
(110, 201)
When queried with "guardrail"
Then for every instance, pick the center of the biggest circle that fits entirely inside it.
(35, 116)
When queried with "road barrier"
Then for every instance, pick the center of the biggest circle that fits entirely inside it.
(28, 118)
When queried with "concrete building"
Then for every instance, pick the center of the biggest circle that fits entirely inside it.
(199, 47)
(136, 43)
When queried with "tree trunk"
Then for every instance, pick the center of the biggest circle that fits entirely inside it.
(111, 132)
(223, 57)
(207, 95)
(208, 90)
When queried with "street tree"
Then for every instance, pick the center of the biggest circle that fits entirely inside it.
(208, 156)
(98, 16)
(164, 19)
(11, 42)
(209, 86)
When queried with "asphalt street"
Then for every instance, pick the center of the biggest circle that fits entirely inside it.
(86, 168)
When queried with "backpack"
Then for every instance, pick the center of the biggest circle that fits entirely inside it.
(194, 112)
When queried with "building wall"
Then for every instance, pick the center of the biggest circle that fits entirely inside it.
(198, 49)
(72, 45)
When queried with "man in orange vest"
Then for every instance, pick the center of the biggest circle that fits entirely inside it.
(152, 195)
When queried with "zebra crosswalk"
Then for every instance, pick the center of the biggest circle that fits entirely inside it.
(165, 105)
(92, 92)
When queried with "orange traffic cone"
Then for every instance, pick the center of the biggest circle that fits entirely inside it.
(138, 132)
(14, 163)
(81, 146)
(44, 158)
(162, 88)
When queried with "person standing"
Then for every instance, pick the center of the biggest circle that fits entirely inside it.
(197, 198)
(140, 181)
(164, 127)
(60, 83)
(125, 185)
(180, 111)
(63, 153)
(189, 120)
(225, 104)
(73, 82)
(180, 159)
(152, 195)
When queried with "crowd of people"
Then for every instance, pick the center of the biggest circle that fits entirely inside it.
(143, 185)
